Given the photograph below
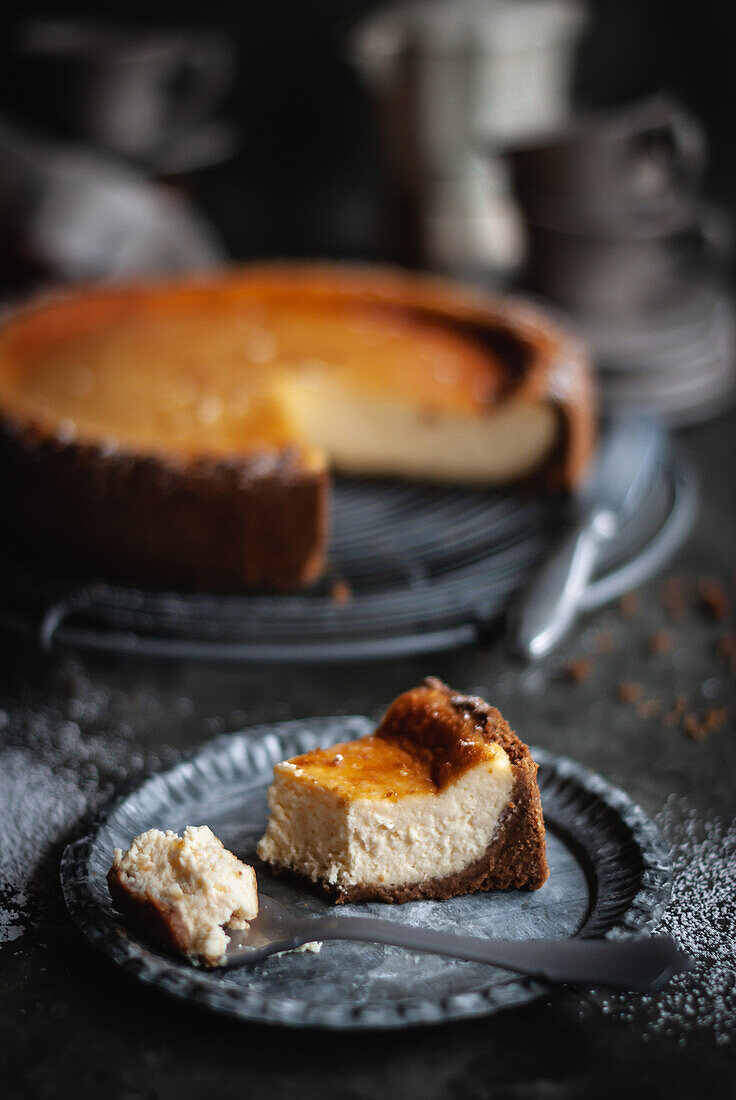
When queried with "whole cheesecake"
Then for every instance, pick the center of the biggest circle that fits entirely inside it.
(182, 434)
(441, 800)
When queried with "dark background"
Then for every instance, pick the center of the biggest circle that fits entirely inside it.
(307, 179)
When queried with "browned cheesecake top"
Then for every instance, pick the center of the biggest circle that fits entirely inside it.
(427, 740)
(448, 731)
(197, 369)
(366, 768)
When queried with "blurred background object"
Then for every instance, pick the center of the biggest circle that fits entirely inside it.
(136, 93)
(636, 161)
(97, 121)
(522, 143)
(450, 80)
(618, 236)
(71, 214)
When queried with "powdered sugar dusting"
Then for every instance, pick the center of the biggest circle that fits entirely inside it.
(51, 775)
(701, 917)
(40, 804)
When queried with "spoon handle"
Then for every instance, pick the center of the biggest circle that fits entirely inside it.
(641, 964)
(547, 609)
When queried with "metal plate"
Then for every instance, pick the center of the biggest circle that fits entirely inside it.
(610, 875)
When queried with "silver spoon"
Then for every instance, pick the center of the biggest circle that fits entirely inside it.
(641, 964)
(624, 467)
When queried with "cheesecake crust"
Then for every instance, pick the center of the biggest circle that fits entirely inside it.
(258, 519)
(447, 731)
(156, 920)
(254, 522)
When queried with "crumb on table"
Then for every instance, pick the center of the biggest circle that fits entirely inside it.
(629, 692)
(675, 598)
(698, 727)
(341, 592)
(645, 708)
(578, 670)
(726, 650)
(659, 643)
(674, 717)
(713, 598)
(629, 604)
(605, 641)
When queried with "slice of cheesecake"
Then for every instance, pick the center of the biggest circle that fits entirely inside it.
(183, 891)
(441, 800)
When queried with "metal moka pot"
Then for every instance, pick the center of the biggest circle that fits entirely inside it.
(446, 80)
(459, 74)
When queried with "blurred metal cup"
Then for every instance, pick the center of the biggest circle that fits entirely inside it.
(645, 156)
(628, 270)
(124, 91)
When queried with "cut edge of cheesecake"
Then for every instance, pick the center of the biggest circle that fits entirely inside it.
(435, 741)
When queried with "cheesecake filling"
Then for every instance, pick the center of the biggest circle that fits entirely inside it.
(366, 433)
(383, 840)
(197, 879)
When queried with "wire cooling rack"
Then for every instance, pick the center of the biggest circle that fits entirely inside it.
(413, 569)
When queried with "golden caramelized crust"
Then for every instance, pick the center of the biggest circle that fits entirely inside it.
(366, 768)
(445, 741)
(149, 374)
(447, 731)
(428, 738)
(379, 767)
(187, 367)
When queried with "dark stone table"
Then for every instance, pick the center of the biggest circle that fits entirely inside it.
(72, 730)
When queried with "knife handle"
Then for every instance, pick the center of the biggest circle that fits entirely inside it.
(550, 604)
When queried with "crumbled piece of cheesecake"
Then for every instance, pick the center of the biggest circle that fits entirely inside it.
(184, 890)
